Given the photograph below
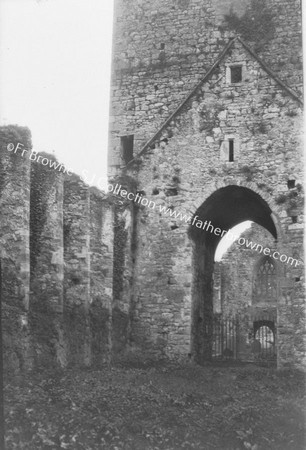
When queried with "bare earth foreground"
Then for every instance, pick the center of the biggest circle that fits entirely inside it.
(141, 407)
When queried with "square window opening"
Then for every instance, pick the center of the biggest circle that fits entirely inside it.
(127, 148)
(236, 74)
(291, 184)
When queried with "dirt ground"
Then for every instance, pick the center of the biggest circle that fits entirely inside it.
(153, 407)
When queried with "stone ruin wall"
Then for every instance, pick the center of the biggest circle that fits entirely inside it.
(64, 297)
(15, 252)
(185, 157)
(163, 48)
(234, 283)
(161, 297)
(56, 238)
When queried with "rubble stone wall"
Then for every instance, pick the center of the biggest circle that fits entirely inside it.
(163, 48)
(237, 269)
(14, 248)
(234, 284)
(185, 163)
(56, 238)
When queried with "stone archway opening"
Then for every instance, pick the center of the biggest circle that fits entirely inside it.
(224, 209)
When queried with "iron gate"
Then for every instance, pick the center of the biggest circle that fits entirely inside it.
(231, 341)
(225, 338)
(264, 347)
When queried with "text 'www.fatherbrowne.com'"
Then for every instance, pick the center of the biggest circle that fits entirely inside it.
(138, 198)
(206, 226)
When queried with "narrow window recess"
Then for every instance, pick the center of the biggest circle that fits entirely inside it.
(294, 219)
(171, 192)
(231, 150)
(236, 74)
(291, 184)
(127, 148)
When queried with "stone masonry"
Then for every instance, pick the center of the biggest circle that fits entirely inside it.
(206, 132)
(206, 120)
(235, 285)
(56, 238)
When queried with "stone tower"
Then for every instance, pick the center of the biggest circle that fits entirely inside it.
(205, 133)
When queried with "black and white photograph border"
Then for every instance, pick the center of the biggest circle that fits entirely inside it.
(152, 277)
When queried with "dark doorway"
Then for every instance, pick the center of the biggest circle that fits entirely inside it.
(224, 209)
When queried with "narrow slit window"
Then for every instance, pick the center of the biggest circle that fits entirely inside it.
(127, 147)
(236, 74)
(231, 150)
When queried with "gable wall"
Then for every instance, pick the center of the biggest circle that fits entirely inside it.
(148, 82)
(267, 122)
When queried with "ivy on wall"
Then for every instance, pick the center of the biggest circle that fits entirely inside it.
(255, 25)
(120, 240)
(12, 134)
(42, 181)
(292, 199)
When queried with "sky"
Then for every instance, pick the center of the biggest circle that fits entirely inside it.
(55, 76)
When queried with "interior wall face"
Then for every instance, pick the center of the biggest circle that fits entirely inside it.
(235, 281)
(238, 268)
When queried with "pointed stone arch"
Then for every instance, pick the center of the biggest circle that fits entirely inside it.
(224, 208)
(274, 207)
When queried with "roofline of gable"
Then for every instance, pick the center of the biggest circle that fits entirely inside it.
(290, 91)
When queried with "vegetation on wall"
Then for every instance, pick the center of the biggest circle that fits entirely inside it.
(100, 325)
(292, 199)
(42, 319)
(42, 181)
(255, 25)
(120, 239)
(209, 117)
(249, 172)
(12, 135)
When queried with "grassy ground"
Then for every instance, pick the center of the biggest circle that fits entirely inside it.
(157, 407)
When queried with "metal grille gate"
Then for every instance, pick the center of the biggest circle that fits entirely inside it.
(264, 340)
(228, 339)
(225, 338)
